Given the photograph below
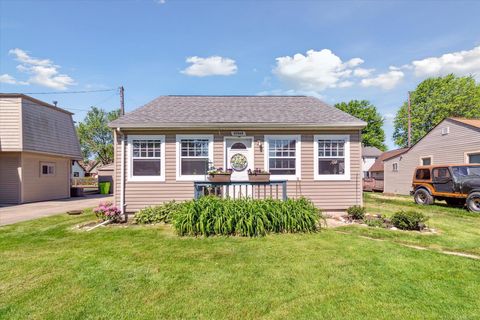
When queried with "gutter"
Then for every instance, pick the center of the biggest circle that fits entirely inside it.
(122, 174)
(243, 126)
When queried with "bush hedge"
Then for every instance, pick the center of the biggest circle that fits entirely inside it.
(409, 220)
(157, 214)
(356, 212)
(211, 215)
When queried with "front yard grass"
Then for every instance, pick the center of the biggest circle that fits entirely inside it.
(457, 229)
(50, 271)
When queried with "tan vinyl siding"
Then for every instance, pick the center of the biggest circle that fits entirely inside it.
(328, 195)
(10, 177)
(10, 124)
(444, 149)
(48, 130)
(36, 187)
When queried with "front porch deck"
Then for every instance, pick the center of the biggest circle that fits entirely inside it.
(242, 189)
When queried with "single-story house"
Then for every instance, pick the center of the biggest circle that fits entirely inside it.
(38, 142)
(162, 148)
(369, 156)
(78, 171)
(452, 141)
(375, 181)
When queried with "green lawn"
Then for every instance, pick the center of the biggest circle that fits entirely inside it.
(458, 229)
(49, 271)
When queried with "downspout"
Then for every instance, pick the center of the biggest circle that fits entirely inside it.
(122, 174)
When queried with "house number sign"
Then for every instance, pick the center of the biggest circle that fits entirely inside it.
(238, 133)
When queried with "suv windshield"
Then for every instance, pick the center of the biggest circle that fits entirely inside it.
(464, 171)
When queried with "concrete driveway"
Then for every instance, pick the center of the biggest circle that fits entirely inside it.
(10, 214)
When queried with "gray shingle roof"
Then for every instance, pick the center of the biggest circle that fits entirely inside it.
(228, 111)
(370, 152)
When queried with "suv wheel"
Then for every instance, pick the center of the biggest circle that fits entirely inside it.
(423, 197)
(473, 202)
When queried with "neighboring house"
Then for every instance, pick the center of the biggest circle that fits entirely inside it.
(452, 141)
(90, 167)
(369, 155)
(166, 145)
(78, 171)
(37, 145)
(375, 173)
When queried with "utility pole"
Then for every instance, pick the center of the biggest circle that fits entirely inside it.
(409, 122)
(122, 101)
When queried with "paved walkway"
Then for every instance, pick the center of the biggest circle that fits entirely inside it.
(10, 214)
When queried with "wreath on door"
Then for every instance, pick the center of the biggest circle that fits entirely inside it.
(238, 162)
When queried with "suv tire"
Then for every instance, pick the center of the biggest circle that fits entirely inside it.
(473, 202)
(423, 197)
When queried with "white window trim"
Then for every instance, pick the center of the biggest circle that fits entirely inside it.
(393, 167)
(425, 157)
(298, 156)
(130, 176)
(327, 177)
(468, 154)
(50, 164)
(179, 137)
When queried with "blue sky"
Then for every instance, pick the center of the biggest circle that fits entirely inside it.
(334, 50)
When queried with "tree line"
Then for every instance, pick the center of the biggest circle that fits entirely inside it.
(433, 100)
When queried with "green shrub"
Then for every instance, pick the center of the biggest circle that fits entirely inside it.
(356, 212)
(374, 222)
(156, 214)
(409, 220)
(211, 215)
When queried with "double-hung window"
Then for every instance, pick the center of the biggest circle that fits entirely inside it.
(47, 168)
(147, 158)
(194, 156)
(332, 157)
(282, 157)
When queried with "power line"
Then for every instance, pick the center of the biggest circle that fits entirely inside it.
(69, 92)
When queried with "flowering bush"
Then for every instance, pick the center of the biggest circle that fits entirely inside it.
(107, 211)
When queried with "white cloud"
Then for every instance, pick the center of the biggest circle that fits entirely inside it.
(460, 63)
(316, 71)
(43, 71)
(6, 78)
(210, 66)
(385, 81)
(160, 1)
(362, 73)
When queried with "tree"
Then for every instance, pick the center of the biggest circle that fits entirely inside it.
(373, 134)
(96, 138)
(433, 100)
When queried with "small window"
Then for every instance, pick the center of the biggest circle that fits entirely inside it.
(445, 131)
(76, 174)
(423, 174)
(332, 157)
(47, 168)
(426, 161)
(146, 158)
(474, 158)
(238, 146)
(395, 167)
(441, 173)
(194, 156)
(282, 156)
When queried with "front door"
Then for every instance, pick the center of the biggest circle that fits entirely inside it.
(239, 155)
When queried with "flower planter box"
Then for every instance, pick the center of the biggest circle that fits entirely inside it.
(259, 177)
(220, 177)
